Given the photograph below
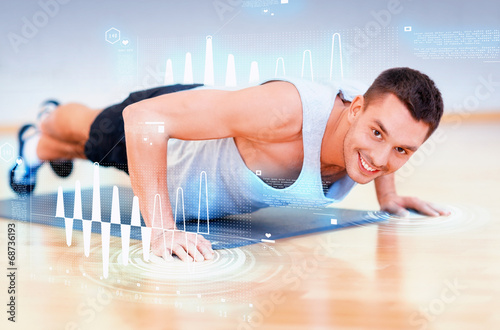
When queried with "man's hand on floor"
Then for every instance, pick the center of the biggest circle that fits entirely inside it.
(186, 245)
(397, 205)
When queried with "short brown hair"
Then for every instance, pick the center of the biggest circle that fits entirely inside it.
(416, 90)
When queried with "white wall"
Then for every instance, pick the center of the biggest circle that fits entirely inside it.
(56, 48)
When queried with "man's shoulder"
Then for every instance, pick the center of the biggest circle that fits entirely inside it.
(349, 88)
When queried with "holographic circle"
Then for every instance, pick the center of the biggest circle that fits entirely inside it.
(226, 262)
(231, 275)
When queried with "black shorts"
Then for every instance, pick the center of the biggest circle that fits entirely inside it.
(106, 143)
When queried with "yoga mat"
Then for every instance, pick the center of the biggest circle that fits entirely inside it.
(265, 225)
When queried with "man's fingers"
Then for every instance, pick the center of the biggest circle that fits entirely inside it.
(204, 246)
(427, 210)
(202, 241)
(421, 206)
(181, 253)
(440, 210)
(163, 253)
(207, 253)
(186, 245)
(193, 252)
(395, 209)
(401, 212)
(425, 207)
(196, 246)
(167, 255)
(398, 207)
(203, 249)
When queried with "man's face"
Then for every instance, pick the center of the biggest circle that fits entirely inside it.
(381, 138)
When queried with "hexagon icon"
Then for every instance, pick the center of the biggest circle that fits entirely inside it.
(112, 35)
(6, 152)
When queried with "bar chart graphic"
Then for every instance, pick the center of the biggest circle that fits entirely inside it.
(335, 60)
(127, 224)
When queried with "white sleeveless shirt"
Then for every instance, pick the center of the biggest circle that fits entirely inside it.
(213, 171)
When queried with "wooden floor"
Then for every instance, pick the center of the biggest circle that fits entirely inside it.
(442, 273)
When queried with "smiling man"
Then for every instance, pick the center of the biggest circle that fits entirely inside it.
(284, 142)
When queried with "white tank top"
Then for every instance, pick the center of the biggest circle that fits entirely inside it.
(213, 171)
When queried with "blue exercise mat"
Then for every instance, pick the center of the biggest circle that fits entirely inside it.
(268, 224)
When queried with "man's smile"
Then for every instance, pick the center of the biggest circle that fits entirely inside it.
(365, 167)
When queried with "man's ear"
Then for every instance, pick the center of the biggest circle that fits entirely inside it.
(355, 109)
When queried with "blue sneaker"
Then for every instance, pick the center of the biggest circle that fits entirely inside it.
(46, 108)
(22, 177)
(62, 168)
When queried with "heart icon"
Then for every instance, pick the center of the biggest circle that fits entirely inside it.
(125, 42)
(268, 235)
(19, 161)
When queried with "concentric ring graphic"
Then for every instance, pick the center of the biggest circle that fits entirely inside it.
(235, 274)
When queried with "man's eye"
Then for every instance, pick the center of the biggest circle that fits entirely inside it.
(400, 150)
(376, 133)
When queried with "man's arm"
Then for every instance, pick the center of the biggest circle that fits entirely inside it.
(391, 202)
(197, 115)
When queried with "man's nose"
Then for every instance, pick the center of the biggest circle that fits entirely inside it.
(380, 157)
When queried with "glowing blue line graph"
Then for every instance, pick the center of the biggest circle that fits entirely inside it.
(125, 228)
(169, 73)
(340, 57)
(254, 73)
(209, 63)
(310, 63)
(230, 80)
(188, 70)
(231, 71)
(282, 66)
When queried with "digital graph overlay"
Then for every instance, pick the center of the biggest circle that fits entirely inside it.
(231, 80)
(229, 277)
(125, 227)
